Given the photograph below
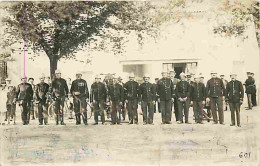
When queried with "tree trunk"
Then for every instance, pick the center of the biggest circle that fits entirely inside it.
(53, 65)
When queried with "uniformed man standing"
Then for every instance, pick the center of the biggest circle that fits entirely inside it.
(234, 96)
(24, 95)
(132, 89)
(98, 97)
(10, 104)
(60, 92)
(33, 104)
(147, 98)
(165, 90)
(123, 109)
(183, 95)
(197, 97)
(249, 84)
(222, 77)
(215, 92)
(80, 94)
(253, 96)
(41, 93)
(116, 96)
(175, 104)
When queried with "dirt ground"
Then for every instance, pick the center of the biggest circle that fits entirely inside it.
(175, 144)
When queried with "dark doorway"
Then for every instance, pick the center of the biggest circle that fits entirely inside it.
(178, 71)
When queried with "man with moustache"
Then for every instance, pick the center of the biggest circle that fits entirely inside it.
(59, 92)
(215, 92)
(98, 97)
(116, 96)
(183, 95)
(41, 93)
(24, 96)
(234, 97)
(80, 94)
(132, 89)
(147, 97)
(165, 90)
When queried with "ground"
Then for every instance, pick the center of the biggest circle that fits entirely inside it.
(175, 144)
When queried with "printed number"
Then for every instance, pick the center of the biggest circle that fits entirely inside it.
(245, 154)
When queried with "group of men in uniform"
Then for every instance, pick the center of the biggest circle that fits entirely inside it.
(168, 92)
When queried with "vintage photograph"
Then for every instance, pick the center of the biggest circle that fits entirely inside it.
(138, 82)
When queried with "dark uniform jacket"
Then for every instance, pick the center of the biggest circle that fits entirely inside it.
(81, 86)
(249, 84)
(147, 92)
(116, 92)
(59, 88)
(24, 91)
(197, 92)
(215, 88)
(98, 92)
(234, 91)
(182, 89)
(131, 89)
(41, 91)
(165, 89)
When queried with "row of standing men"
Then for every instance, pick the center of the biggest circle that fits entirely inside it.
(169, 92)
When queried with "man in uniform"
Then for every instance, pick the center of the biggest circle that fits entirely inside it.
(10, 105)
(98, 97)
(147, 98)
(123, 109)
(132, 89)
(24, 95)
(60, 92)
(175, 104)
(253, 96)
(249, 84)
(116, 96)
(222, 77)
(197, 97)
(80, 94)
(41, 93)
(234, 96)
(33, 104)
(156, 99)
(183, 95)
(13, 105)
(165, 90)
(215, 92)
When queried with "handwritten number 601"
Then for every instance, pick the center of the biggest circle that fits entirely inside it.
(245, 155)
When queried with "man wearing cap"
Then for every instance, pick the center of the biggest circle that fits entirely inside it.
(98, 97)
(175, 104)
(165, 90)
(60, 92)
(24, 95)
(116, 96)
(132, 89)
(147, 98)
(253, 96)
(41, 93)
(33, 108)
(157, 96)
(215, 92)
(234, 97)
(80, 94)
(123, 109)
(10, 104)
(222, 77)
(183, 95)
(197, 97)
(7, 89)
(249, 84)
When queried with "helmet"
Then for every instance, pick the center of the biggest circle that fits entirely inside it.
(146, 76)
(213, 72)
(98, 76)
(131, 75)
(57, 71)
(182, 74)
(78, 72)
(42, 76)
